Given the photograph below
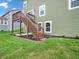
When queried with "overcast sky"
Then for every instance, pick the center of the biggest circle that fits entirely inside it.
(7, 5)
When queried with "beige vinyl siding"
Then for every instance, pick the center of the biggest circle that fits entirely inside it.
(64, 21)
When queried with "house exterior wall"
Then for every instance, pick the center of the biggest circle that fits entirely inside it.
(3, 24)
(3, 27)
(64, 21)
(9, 17)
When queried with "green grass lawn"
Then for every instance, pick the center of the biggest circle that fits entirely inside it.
(54, 48)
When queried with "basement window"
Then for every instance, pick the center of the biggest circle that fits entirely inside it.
(42, 10)
(73, 4)
(48, 26)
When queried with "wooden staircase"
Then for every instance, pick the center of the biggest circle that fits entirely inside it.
(30, 23)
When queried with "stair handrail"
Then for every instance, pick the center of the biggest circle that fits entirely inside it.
(28, 16)
(33, 20)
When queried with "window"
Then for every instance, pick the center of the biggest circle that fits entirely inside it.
(25, 4)
(73, 4)
(5, 22)
(48, 26)
(40, 24)
(1, 21)
(42, 10)
(31, 12)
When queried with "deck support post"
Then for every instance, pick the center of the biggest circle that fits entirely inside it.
(20, 26)
(12, 27)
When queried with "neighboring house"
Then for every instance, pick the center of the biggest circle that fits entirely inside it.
(3, 24)
(6, 21)
(57, 17)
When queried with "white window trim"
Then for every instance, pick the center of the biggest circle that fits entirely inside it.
(44, 10)
(69, 5)
(41, 23)
(50, 27)
(24, 3)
